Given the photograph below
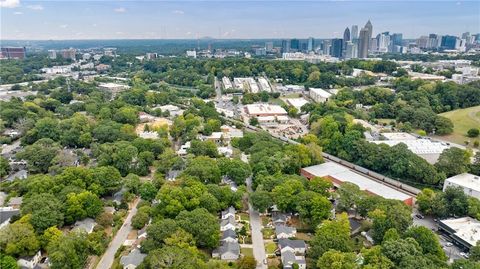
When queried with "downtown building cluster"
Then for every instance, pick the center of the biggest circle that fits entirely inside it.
(360, 42)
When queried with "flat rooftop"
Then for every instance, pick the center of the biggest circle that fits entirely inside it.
(296, 102)
(417, 146)
(321, 92)
(466, 228)
(466, 180)
(259, 109)
(398, 136)
(344, 174)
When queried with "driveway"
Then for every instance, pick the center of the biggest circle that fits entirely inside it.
(257, 237)
(120, 237)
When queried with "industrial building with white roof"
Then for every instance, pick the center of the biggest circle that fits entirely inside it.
(339, 174)
(464, 231)
(469, 183)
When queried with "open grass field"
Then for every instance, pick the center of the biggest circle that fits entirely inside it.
(463, 120)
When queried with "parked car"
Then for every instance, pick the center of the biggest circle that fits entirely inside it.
(448, 244)
(419, 216)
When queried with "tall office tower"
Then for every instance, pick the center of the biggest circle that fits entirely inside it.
(303, 45)
(396, 41)
(69, 53)
(363, 43)
(269, 46)
(346, 37)
(354, 32)
(449, 42)
(350, 50)
(326, 44)
(13, 52)
(365, 39)
(383, 42)
(294, 44)
(422, 42)
(336, 48)
(466, 35)
(311, 44)
(285, 46)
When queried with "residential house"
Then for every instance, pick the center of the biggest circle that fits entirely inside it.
(29, 262)
(133, 259)
(228, 251)
(86, 225)
(142, 233)
(6, 213)
(229, 236)
(279, 218)
(228, 223)
(230, 212)
(22, 174)
(289, 259)
(296, 246)
(283, 231)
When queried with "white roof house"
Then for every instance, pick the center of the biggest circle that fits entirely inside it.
(259, 110)
(468, 182)
(339, 174)
(319, 95)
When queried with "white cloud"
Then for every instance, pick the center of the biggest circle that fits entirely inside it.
(178, 12)
(120, 10)
(35, 7)
(17, 13)
(9, 3)
(64, 26)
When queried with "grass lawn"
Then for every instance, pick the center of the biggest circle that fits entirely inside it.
(265, 220)
(248, 252)
(270, 247)
(276, 101)
(463, 120)
(304, 236)
(386, 121)
(293, 95)
(267, 233)
(244, 217)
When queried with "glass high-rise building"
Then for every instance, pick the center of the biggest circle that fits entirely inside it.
(354, 32)
(449, 42)
(336, 50)
(364, 40)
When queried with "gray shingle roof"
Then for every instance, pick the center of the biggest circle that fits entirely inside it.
(7, 214)
(279, 229)
(232, 247)
(135, 257)
(291, 243)
(230, 220)
(229, 234)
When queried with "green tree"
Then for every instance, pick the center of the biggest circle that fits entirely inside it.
(261, 200)
(8, 262)
(147, 191)
(313, 207)
(45, 209)
(204, 168)
(473, 132)
(71, 251)
(246, 262)
(19, 239)
(427, 240)
(82, 205)
(331, 235)
(453, 161)
(334, 259)
(202, 225)
(4, 167)
(475, 252)
(39, 155)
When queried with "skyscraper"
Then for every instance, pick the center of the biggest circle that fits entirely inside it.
(326, 44)
(354, 32)
(337, 47)
(449, 42)
(350, 50)
(346, 36)
(396, 42)
(285, 46)
(294, 44)
(364, 40)
(311, 44)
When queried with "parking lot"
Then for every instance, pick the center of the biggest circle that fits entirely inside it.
(452, 251)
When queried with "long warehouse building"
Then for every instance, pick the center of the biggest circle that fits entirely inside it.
(339, 174)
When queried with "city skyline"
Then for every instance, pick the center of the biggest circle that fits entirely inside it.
(57, 20)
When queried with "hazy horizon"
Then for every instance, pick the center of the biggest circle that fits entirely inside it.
(235, 20)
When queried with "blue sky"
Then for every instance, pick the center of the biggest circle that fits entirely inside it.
(64, 19)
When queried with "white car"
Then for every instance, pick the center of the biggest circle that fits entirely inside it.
(448, 244)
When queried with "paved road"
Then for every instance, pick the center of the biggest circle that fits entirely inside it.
(257, 237)
(120, 237)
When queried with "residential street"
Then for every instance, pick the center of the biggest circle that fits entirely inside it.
(257, 237)
(120, 237)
